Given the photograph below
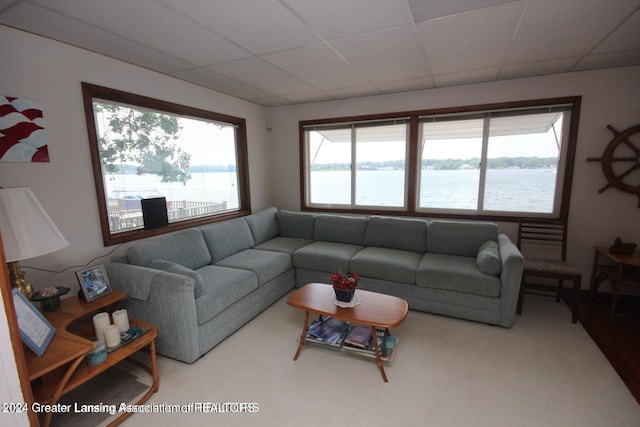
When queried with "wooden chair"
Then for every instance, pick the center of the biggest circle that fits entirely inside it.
(548, 236)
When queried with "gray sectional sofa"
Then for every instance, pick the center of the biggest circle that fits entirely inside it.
(202, 284)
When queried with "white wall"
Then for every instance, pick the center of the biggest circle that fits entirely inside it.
(36, 68)
(39, 69)
(608, 97)
(10, 390)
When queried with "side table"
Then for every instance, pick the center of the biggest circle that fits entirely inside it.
(619, 268)
(61, 369)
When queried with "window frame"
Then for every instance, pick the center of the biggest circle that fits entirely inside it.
(91, 92)
(413, 160)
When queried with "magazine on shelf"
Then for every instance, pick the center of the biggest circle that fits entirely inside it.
(328, 330)
(359, 336)
(386, 345)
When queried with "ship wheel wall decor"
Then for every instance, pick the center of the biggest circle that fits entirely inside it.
(621, 161)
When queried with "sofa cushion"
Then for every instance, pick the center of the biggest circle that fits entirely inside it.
(265, 264)
(459, 237)
(227, 238)
(299, 225)
(488, 259)
(185, 247)
(263, 225)
(224, 286)
(340, 229)
(284, 244)
(397, 233)
(172, 267)
(455, 273)
(386, 264)
(325, 256)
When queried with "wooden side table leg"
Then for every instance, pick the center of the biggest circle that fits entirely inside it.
(576, 299)
(58, 393)
(154, 367)
(616, 290)
(305, 326)
(594, 281)
(378, 359)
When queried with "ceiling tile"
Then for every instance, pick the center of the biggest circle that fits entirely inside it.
(354, 91)
(335, 19)
(626, 37)
(309, 97)
(385, 55)
(483, 43)
(207, 78)
(155, 26)
(258, 26)
(319, 66)
(605, 60)
(263, 76)
(424, 10)
(420, 83)
(279, 52)
(555, 29)
(537, 68)
(466, 77)
(77, 33)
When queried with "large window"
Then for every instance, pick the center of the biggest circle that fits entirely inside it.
(358, 165)
(491, 161)
(144, 148)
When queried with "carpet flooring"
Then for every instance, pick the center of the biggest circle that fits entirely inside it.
(112, 387)
(544, 371)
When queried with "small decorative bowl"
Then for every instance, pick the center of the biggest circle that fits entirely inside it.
(97, 355)
(49, 298)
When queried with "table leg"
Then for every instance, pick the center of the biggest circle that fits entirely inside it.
(378, 359)
(305, 326)
(154, 367)
(58, 392)
(616, 290)
(594, 281)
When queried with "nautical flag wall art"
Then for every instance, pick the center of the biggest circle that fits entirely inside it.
(22, 135)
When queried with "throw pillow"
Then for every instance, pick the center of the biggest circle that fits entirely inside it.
(488, 259)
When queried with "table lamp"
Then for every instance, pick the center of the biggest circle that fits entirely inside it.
(27, 232)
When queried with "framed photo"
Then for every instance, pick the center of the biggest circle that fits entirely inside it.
(94, 282)
(35, 331)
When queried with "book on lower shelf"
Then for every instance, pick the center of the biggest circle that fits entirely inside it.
(387, 345)
(328, 331)
(359, 336)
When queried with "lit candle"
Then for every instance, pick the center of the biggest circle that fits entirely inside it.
(121, 320)
(100, 323)
(112, 336)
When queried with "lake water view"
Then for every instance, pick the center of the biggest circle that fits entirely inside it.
(513, 190)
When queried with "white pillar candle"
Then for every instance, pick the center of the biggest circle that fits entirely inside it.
(100, 323)
(121, 320)
(112, 336)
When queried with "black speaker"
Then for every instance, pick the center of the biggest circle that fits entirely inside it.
(154, 212)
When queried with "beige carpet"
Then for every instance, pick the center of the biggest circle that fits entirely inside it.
(545, 371)
(112, 387)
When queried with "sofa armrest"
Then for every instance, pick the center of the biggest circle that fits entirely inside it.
(165, 300)
(512, 264)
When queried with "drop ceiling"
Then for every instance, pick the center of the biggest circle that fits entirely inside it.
(281, 52)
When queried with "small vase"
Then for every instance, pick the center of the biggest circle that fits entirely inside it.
(344, 295)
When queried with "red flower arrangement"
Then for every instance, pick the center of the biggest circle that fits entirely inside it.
(346, 282)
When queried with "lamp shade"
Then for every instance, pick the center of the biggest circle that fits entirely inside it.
(27, 229)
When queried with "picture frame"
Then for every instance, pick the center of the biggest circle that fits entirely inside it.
(94, 282)
(35, 330)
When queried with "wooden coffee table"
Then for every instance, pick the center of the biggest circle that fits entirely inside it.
(375, 310)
